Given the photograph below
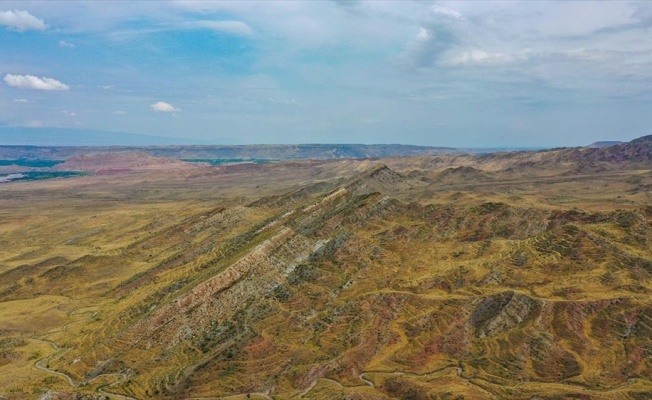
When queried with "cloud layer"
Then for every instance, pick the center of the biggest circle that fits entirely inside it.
(474, 73)
(34, 82)
(21, 21)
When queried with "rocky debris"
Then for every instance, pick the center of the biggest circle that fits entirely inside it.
(189, 312)
(503, 312)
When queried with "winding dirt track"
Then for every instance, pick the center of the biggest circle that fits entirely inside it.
(41, 363)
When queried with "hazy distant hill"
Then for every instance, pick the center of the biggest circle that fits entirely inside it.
(605, 143)
(638, 150)
(267, 152)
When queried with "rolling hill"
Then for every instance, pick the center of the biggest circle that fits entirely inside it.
(501, 276)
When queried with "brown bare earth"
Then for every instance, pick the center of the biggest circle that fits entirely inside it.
(122, 162)
(501, 276)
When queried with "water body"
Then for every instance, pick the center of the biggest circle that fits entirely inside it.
(24, 162)
(37, 175)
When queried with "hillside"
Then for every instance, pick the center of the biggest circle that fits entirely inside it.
(500, 276)
(604, 143)
(637, 150)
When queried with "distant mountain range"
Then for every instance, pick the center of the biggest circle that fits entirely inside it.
(244, 152)
(637, 150)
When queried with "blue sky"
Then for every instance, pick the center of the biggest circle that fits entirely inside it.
(463, 74)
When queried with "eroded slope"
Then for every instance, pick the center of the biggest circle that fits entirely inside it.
(365, 283)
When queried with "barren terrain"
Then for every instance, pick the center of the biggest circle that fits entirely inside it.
(500, 276)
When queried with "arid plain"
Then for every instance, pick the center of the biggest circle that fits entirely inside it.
(523, 275)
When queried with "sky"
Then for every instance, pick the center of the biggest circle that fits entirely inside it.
(439, 73)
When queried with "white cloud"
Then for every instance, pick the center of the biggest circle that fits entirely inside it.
(449, 12)
(230, 27)
(162, 106)
(423, 35)
(119, 112)
(21, 101)
(34, 82)
(374, 54)
(69, 113)
(63, 43)
(107, 87)
(21, 21)
(477, 57)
